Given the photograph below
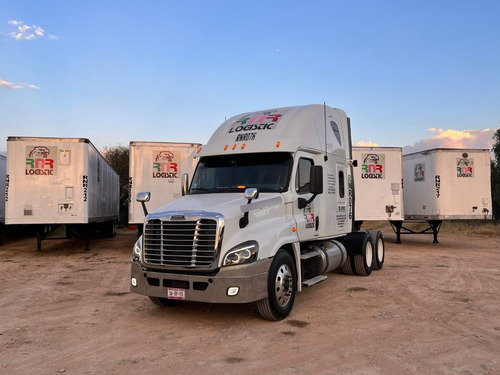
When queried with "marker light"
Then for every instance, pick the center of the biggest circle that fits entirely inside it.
(294, 229)
(133, 281)
(233, 290)
(242, 146)
(198, 151)
(225, 147)
(234, 146)
(278, 144)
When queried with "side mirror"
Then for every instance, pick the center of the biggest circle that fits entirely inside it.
(251, 193)
(143, 197)
(184, 183)
(316, 180)
(315, 185)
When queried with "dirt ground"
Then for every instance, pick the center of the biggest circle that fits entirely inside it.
(432, 309)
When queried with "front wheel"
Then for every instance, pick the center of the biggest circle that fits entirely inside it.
(281, 288)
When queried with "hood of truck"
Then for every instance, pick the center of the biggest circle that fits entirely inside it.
(230, 205)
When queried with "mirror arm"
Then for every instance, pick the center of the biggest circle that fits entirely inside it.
(303, 202)
(144, 208)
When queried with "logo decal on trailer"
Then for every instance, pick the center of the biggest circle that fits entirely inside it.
(465, 166)
(165, 165)
(419, 174)
(40, 161)
(373, 166)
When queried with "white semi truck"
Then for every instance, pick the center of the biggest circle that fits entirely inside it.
(53, 181)
(269, 210)
(157, 167)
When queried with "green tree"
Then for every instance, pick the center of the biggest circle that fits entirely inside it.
(118, 158)
(495, 176)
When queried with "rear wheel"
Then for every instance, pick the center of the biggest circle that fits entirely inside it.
(281, 288)
(360, 246)
(348, 266)
(165, 302)
(378, 249)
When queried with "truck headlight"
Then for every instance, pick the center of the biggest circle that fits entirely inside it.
(137, 252)
(245, 252)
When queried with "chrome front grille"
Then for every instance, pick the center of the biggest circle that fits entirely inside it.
(183, 243)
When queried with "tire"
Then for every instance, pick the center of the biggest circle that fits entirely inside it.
(359, 246)
(281, 288)
(378, 249)
(112, 229)
(348, 266)
(69, 232)
(165, 302)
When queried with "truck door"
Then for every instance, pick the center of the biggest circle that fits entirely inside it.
(307, 218)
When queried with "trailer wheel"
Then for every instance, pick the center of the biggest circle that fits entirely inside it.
(378, 249)
(281, 288)
(109, 229)
(165, 302)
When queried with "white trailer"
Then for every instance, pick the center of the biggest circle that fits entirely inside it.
(3, 168)
(269, 212)
(447, 184)
(157, 167)
(377, 184)
(53, 181)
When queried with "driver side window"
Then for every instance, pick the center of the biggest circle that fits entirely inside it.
(302, 181)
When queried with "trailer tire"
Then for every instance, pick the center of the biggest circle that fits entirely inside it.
(281, 288)
(378, 249)
(109, 228)
(165, 302)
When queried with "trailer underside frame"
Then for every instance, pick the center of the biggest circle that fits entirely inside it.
(433, 227)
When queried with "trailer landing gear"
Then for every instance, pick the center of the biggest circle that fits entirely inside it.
(434, 226)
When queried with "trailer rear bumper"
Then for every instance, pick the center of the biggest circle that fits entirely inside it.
(234, 284)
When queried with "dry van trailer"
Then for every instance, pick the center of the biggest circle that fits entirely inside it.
(54, 181)
(3, 167)
(377, 184)
(445, 184)
(157, 167)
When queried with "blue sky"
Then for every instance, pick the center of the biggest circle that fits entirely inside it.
(408, 73)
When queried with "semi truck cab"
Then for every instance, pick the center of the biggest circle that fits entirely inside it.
(269, 210)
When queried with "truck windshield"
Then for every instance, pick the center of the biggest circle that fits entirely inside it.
(269, 172)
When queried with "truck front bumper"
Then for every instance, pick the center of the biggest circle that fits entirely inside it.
(249, 280)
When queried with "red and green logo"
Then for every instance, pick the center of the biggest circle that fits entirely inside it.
(40, 161)
(165, 165)
(419, 172)
(373, 166)
(465, 166)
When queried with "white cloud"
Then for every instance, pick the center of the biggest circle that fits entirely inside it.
(17, 86)
(366, 144)
(26, 32)
(450, 138)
